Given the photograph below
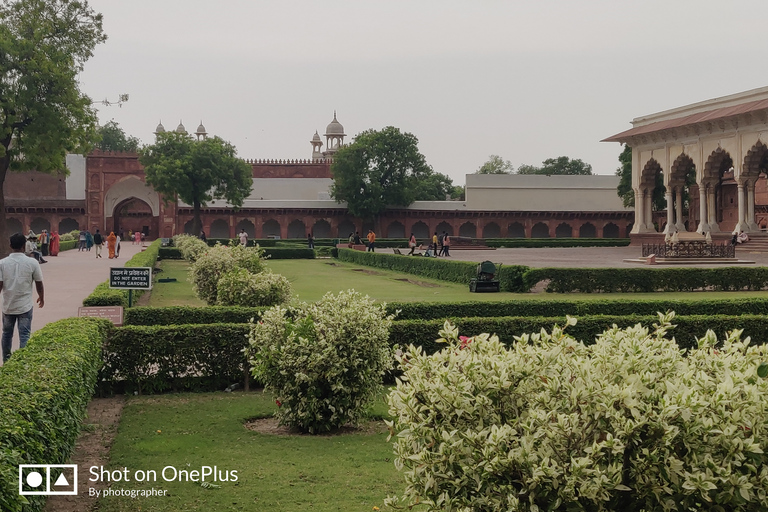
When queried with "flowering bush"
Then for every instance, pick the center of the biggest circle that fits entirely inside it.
(216, 261)
(629, 423)
(189, 246)
(239, 287)
(324, 364)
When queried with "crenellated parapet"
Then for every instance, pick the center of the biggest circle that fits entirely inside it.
(296, 161)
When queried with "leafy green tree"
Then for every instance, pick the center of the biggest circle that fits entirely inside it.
(496, 165)
(380, 168)
(196, 171)
(113, 138)
(558, 166)
(43, 114)
(624, 172)
(434, 187)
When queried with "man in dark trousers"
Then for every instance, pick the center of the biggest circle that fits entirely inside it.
(98, 241)
(17, 273)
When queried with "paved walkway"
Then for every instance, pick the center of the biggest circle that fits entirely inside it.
(69, 278)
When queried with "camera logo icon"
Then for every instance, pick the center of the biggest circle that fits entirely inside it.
(47, 479)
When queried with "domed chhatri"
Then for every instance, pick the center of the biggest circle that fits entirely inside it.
(160, 128)
(317, 145)
(335, 127)
(334, 137)
(180, 128)
(201, 133)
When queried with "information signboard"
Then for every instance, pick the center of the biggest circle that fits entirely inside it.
(130, 278)
(113, 313)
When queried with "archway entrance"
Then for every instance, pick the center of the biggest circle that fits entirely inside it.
(133, 214)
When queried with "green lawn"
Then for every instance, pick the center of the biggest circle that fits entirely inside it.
(311, 279)
(349, 472)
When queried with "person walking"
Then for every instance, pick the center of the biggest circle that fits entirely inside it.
(446, 244)
(111, 243)
(434, 244)
(243, 238)
(98, 241)
(81, 241)
(310, 241)
(117, 245)
(412, 244)
(371, 241)
(44, 240)
(17, 273)
(88, 241)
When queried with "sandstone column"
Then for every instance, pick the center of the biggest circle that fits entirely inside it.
(679, 224)
(703, 224)
(670, 227)
(740, 225)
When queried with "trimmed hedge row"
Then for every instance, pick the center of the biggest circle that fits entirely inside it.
(274, 253)
(104, 296)
(511, 276)
(178, 315)
(67, 245)
(173, 358)
(44, 390)
(626, 280)
(556, 242)
(153, 359)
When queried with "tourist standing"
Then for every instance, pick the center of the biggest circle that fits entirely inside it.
(357, 238)
(202, 236)
(243, 238)
(88, 240)
(44, 241)
(434, 243)
(17, 273)
(98, 241)
(310, 241)
(371, 241)
(54, 243)
(446, 244)
(117, 247)
(81, 241)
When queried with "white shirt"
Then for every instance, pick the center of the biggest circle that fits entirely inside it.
(17, 272)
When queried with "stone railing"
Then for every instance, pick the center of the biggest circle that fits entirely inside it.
(690, 249)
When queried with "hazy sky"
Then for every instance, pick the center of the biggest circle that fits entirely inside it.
(527, 80)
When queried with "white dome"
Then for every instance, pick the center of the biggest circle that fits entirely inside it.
(180, 128)
(160, 128)
(201, 129)
(335, 127)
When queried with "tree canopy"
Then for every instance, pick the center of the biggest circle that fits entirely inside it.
(624, 172)
(43, 114)
(196, 171)
(383, 168)
(496, 165)
(561, 165)
(112, 138)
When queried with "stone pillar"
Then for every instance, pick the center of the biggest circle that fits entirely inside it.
(648, 210)
(751, 224)
(639, 226)
(714, 227)
(741, 225)
(703, 224)
(679, 224)
(670, 227)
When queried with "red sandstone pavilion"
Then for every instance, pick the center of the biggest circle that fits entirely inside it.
(290, 198)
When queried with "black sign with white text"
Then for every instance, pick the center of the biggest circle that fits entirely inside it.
(130, 278)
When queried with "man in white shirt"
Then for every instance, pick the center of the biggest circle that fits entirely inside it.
(17, 273)
(243, 238)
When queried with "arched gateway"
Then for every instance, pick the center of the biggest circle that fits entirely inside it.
(712, 156)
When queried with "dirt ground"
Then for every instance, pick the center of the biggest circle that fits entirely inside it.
(92, 449)
(270, 426)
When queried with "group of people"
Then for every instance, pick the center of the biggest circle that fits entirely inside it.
(355, 239)
(48, 245)
(739, 238)
(440, 246)
(86, 240)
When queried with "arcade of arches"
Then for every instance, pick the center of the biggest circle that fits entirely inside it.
(708, 159)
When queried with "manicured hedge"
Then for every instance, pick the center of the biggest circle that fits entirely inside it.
(286, 253)
(511, 276)
(209, 357)
(578, 307)
(44, 390)
(556, 242)
(626, 280)
(169, 253)
(178, 315)
(104, 296)
(173, 358)
(67, 245)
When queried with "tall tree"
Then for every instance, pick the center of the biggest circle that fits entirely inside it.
(196, 171)
(112, 138)
(624, 172)
(43, 114)
(561, 165)
(380, 168)
(434, 187)
(496, 165)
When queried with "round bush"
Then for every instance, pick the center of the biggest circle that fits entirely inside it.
(216, 261)
(325, 363)
(249, 258)
(239, 287)
(66, 237)
(189, 246)
(628, 423)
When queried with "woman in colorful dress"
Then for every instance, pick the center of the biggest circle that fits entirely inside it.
(111, 244)
(53, 246)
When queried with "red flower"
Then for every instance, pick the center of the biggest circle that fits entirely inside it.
(464, 342)
(279, 403)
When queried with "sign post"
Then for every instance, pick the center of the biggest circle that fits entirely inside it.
(130, 278)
